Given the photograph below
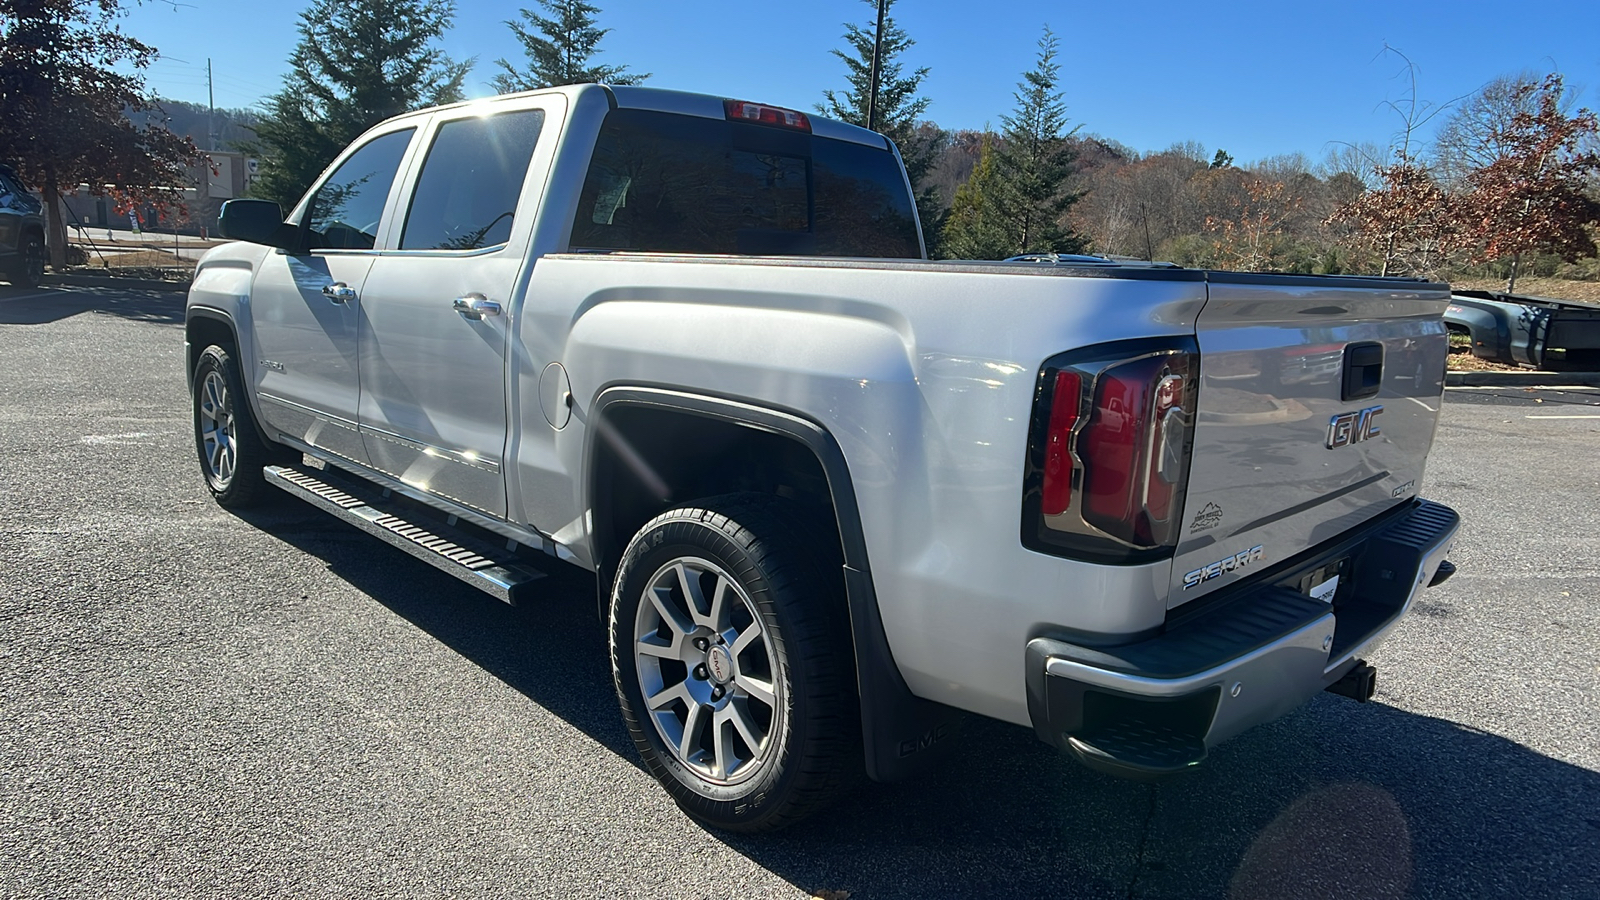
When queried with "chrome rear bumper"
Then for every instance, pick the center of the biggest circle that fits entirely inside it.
(1155, 706)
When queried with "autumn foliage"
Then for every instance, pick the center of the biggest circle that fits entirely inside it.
(1408, 224)
(1532, 198)
(1530, 194)
(68, 79)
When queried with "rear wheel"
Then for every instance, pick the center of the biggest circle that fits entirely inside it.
(231, 449)
(28, 269)
(732, 662)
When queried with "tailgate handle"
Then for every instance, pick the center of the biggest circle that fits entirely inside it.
(1363, 370)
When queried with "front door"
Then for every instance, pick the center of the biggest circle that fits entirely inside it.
(306, 305)
(434, 332)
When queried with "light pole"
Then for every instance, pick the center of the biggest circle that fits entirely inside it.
(877, 51)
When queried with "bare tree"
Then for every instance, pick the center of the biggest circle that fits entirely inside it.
(1474, 134)
(1408, 221)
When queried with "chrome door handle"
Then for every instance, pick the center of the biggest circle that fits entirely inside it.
(475, 307)
(339, 293)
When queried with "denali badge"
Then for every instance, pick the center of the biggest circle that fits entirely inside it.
(1353, 427)
(1222, 566)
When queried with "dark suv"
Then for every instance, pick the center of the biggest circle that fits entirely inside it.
(22, 252)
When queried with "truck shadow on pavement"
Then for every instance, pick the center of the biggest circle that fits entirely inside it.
(1336, 800)
(44, 305)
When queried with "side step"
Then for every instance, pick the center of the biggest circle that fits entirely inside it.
(474, 561)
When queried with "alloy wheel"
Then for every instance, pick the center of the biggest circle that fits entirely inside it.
(218, 438)
(707, 671)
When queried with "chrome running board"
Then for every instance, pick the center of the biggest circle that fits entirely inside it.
(494, 571)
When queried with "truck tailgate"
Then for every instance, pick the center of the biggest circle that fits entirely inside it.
(1287, 454)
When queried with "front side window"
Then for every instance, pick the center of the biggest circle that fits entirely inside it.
(347, 208)
(467, 193)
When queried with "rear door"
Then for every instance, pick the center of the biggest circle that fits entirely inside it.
(1317, 406)
(438, 306)
(305, 306)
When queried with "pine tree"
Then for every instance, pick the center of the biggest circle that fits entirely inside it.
(564, 55)
(1035, 160)
(976, 226)
(358, 62)
(898, 108)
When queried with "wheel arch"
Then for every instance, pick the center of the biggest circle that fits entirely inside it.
(202, 327)
(1487, 328)
(207, 325)
(627, 482)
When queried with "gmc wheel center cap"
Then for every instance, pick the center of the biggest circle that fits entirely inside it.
(719, 665)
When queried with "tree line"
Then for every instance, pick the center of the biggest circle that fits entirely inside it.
(1509, 185)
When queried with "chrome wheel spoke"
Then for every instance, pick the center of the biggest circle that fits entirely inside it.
(727, 761)
(666, 696)
(670, 615)
(739, 717)
(756, 689)
(720, 609)
(693, 595)
(747, 637)
(692, 724)
(649, 647)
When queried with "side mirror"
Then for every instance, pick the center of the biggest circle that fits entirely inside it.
(256, 221)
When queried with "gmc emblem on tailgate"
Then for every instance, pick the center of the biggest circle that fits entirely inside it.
(1353, 427)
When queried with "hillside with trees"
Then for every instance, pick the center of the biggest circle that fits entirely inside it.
(1500, 185)
(199, 123)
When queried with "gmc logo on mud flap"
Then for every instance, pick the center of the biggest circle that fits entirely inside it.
(922, 743)
(1353, 427)
(1223, 566)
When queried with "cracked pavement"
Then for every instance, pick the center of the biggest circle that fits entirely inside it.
(200, 705)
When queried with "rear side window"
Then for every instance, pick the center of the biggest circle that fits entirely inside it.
(669, 183)
(470, 182)
(347, 208)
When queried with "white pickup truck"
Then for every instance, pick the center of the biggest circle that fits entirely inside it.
(834, 494)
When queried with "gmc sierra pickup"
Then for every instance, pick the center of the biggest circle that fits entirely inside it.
(835, 495)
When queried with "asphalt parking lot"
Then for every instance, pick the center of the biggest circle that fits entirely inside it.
(198, 704)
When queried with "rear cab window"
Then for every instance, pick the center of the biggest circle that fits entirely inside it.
(471, 181)
(669, 183)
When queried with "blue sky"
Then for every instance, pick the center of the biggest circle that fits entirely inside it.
(1255, 78)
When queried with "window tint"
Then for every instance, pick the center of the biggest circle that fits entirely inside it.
(344, 214)
(681, 184)
(470, 182)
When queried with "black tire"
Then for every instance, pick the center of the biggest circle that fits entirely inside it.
(28, 268)
(811, 745)
(239, 484)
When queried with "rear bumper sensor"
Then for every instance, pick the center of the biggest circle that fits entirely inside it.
(1154, 707)
(479, 563)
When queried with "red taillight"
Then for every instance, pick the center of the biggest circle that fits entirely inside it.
(760, 114)
(1057, 489)
(1125, 493)
(1113, 451)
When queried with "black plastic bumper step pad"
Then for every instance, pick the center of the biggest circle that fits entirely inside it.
(477, 562)
(1137, 747)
